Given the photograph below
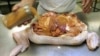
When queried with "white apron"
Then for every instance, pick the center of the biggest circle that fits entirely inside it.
(59, 6)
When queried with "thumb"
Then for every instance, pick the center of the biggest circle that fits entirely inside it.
(15, 7)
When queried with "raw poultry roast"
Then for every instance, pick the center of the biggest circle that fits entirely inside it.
(53, 24)
(58, 29)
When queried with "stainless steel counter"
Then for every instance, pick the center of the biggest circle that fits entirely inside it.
(7, 43)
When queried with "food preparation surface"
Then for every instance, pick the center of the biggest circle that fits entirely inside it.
(7, 43)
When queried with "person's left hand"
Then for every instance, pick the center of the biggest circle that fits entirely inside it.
(87, 5)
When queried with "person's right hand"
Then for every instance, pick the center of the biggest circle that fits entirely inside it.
(21, 4)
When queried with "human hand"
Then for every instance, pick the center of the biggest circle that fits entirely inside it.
(87, 5)
(21, 4)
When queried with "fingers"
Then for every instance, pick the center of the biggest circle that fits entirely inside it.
(87, 6)
(83, 2)
(16, 7)
(22, 3)
(86, 3)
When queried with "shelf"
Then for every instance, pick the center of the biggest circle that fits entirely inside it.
(5, 3)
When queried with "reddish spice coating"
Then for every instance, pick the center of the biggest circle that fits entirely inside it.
(53, 24)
